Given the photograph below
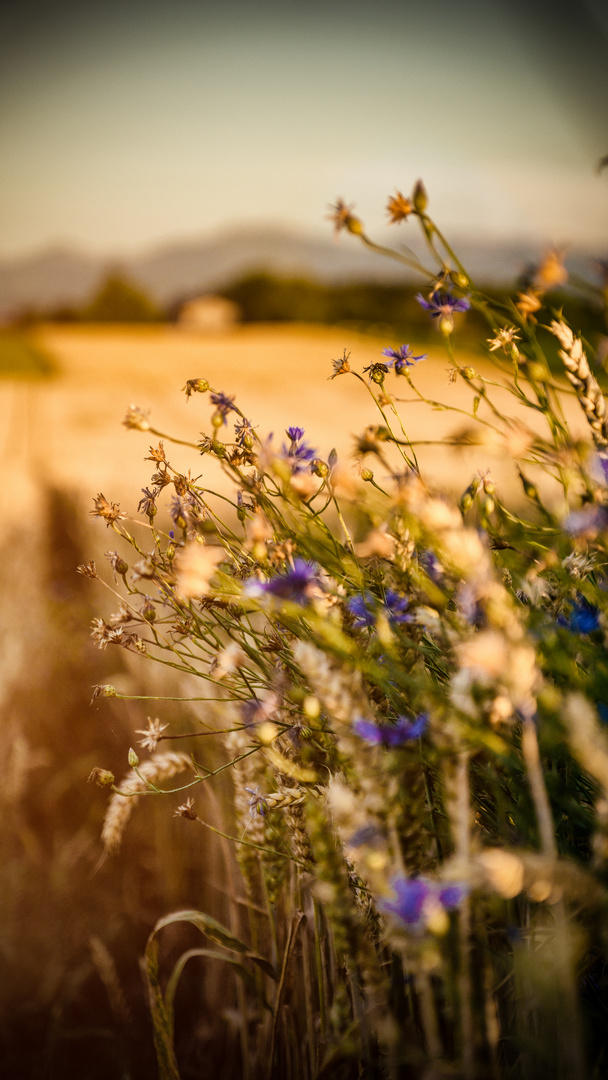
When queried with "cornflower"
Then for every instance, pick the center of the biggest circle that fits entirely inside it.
(298, 453)
(402, 358)
(243, 433)
(295, 585)
(419, 900)
(403, 731)
(147, 505)
(366, 607)
(584, 617)
(223, 405)
(442, 306)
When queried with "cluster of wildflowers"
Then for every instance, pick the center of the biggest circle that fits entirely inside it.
(399, 673)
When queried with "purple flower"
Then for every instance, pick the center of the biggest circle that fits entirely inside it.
(298, 453)
(366, 607)
(416, 894)
(295, 433)
(223, 404)
(403, 731)
(402, 358)
(294, 585)
(361, 608)
(442, 306)
(588, 521)
(243, 432)
(411, 894)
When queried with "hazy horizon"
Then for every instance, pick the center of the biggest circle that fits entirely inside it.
(132, 126)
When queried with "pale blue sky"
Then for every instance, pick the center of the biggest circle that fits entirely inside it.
(124, 125)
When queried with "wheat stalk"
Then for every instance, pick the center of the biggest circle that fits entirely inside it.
(155, 770)
(584, 382)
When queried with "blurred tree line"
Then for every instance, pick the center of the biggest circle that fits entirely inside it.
(366, 307)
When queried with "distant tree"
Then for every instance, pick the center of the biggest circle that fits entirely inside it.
(120, 300)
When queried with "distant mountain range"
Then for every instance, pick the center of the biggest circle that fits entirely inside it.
(59, 276)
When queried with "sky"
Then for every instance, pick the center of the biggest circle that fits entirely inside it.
(127, 124)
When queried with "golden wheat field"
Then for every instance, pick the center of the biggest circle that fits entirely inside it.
(67, 430)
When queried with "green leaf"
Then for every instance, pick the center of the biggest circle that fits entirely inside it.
(214, 930)
(242, 972)
(476, 401)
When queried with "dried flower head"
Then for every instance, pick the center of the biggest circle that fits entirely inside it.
(152, 734)
(343, 219)
(195, 386)
(505, 339)
(88, 569)
(342, 366)
(110, 512)
(137, 418)
(186, 810)
(399, 208)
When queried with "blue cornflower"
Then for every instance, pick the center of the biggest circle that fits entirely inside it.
(584, 617)
(402, 358)
(366, 607)
(295, 585)
(416, 894)
(361, 608)
(442, 306)
(298, 453)
(295, 433)
(223, 404)
(243, 433)
(588, 521)
(404, 730)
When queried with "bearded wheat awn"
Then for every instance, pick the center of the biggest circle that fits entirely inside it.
(584, 382)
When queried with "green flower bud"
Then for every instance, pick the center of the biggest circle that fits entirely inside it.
(420, 197)
(319, 467)
(133, 759)
(148, 612)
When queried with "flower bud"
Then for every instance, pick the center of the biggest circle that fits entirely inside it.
(319, 467)
(353, 225)
(101, 777)
(420, 197)
(367, 474)
(446, 324)
(469, 373)
(148, 612)
(461, 281)
(133, 758)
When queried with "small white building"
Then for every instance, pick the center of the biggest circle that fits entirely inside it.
(211, 313)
